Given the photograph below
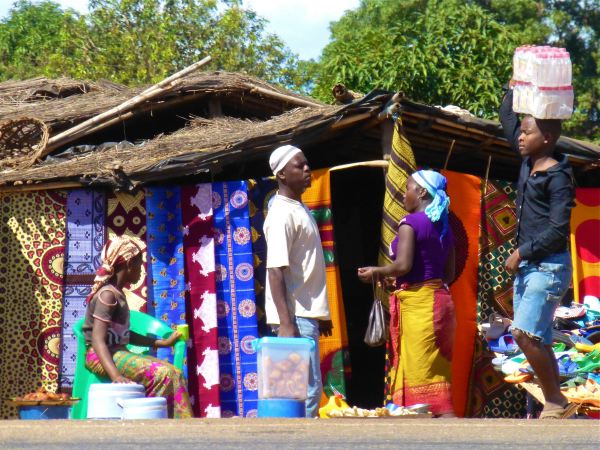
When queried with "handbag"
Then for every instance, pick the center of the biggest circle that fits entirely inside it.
(377, 329)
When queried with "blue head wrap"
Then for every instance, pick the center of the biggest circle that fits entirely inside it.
(435, 184)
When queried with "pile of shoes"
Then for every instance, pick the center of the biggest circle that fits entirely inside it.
(576, 347)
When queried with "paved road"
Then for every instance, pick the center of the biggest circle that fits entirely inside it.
(306, 434)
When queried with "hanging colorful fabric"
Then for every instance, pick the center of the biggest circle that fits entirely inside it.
(259, 194)
(465, 219)
(32, 240)
(166, 277)
(402, 165)
(334, 358)
(585, 243)
(489, 395)
(236, 301)
(86, 211)
(199, 250)
(126, 215)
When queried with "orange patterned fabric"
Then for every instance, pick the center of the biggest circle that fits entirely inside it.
(585, 243)
(465, 217)
(318, 199)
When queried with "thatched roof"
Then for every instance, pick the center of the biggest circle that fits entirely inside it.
(203, 146)
(64, 102)
(210, 148)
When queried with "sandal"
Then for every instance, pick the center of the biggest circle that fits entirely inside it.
(574, 311)
(496, 327)
(504, 344)
(561, 413)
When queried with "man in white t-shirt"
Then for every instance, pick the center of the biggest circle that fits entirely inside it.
(296, 292)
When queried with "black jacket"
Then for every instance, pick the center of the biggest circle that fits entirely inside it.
(544, 199)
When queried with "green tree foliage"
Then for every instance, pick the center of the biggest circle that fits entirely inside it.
(141, 41)
(460, 52)
(38, 39)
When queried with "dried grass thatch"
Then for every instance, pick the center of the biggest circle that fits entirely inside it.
(153, 159)
(18, 99)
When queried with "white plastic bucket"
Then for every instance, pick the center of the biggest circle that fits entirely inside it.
(144, 408)
(103, 397)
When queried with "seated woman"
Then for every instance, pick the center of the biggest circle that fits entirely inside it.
(106, 330)
(422, 311)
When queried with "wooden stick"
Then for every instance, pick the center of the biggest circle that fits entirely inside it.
(487, 173)
(347, 121)
(449, 153)
(93, 123)
(280, 96)
(376, 163)
(41, 186)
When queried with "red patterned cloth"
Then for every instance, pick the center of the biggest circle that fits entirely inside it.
(199, 249)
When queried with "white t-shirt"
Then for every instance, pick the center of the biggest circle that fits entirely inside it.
(293, 243)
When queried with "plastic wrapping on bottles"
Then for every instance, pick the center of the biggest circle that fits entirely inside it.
(543, 82)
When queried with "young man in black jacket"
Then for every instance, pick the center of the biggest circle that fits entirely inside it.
(541, 261)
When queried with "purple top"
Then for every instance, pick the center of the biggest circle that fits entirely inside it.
(430, 254)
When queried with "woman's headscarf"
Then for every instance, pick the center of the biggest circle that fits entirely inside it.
(116, 252)
(435, 184)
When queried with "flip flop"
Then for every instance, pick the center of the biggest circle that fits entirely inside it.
(561, 413)
(504, 344)
(567, 367)
(518, 377)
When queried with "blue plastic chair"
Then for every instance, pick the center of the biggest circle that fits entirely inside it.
(140, 323)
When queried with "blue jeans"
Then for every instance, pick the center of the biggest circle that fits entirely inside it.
(538, 289)
(309, 328)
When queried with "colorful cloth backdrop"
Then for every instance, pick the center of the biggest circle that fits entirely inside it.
(259, 193)
(585, 243)
(166, 277)
(236, 305)
(335, 364)
(465, 217)
(402, 165)
(32, 245)
(126, 215)
(489, 395)
(199, 250)
(86, 212)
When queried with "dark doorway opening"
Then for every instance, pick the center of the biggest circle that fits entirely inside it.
(357, 202)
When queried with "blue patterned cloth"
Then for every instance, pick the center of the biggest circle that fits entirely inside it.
(260, 192)
(166, 277)
(236, 306)
(86, 211)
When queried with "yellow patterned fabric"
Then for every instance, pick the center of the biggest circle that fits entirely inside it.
(402, 165)
(126, 216)
(32, 239)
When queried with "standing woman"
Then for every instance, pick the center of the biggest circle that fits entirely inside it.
(106, 330)
(421, 308)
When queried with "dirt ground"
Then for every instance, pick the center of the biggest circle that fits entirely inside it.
(301, 433)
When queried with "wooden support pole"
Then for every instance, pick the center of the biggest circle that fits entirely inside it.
(487, 173)
(41, 186)
(449, 153)
(287, 98)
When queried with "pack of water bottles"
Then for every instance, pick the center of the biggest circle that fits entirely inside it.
(543, 78)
